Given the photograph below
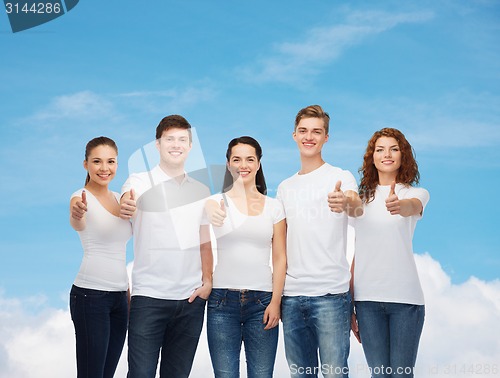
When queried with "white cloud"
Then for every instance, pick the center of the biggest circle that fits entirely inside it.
(460, 336)
(292, 61)
(84, 104)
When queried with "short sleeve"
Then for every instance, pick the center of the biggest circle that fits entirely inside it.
(348, 182)
(277, 210)
(420, 193)
(78, 193)
(135, 182)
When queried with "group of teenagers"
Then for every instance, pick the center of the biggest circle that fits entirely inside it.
(280, 258)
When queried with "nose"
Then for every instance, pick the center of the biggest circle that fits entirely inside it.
(388, 153)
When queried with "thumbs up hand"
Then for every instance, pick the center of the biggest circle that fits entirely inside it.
(128, 205)
(337, 201)
(216, 212)
(79, 208)
(392, 202)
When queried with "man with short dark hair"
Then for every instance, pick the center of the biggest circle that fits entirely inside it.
(172, 274)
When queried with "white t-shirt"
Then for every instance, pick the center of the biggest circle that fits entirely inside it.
(316, 236)
(167, 261)
(384, 269)
(104, 241)
(244, 247)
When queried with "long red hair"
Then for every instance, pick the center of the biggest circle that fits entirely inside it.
(408, 172)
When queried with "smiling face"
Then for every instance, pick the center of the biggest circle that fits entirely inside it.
(243, 163)
(387, 156)
(310, 136)
(174, 146)
(101, 164)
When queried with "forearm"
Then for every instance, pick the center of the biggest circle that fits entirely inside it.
(279, 260)
(207, 263)
(354, 204)
(409, 207)
(77, 224)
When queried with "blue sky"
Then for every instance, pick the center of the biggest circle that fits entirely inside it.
(115, 68)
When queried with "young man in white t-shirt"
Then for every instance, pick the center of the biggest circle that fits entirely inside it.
(172, 274)
(316, 306)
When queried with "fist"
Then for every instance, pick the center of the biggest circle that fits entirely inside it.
(217, 214)
(128, 206)
(80, 207)
(337, 201)
(392, 202)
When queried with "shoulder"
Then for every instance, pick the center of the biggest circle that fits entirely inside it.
(78, 193)
(275, 208)
(408, 192)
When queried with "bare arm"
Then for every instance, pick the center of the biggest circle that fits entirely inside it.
(272, 313)
(354, 204)
(207, 265)
(354, 321)
(347, 201)
(405, 207)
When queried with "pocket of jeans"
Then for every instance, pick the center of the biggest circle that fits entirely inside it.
(215, 300)
(264, 299)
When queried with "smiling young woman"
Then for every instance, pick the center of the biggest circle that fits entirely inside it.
(98, 297)
(389, 301)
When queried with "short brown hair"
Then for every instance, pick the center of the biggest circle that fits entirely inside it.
(313, 111)
(173, 121)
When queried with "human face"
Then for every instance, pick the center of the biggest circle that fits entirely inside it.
(174, 146)
(243, 163)
(387, 156)
(101, 164)
(310, 136)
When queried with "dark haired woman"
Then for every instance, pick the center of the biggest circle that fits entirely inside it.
(388, 298)
(244, 305)
(98, 298)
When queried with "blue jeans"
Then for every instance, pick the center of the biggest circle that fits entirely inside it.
(390, 333)
(234, 317)
(313, 324)
(172, 326)
(100, 320)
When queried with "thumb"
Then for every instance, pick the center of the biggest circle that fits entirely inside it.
(337, 186)
(84, 198)
(132, 194)
(393, 189)
(222, 205)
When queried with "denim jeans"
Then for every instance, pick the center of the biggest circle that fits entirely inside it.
(234, 317)
(390, 333)
(317, 324)
(100, 320)
(170, 326)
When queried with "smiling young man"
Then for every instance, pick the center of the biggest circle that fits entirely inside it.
(171, 278)
(316, 306)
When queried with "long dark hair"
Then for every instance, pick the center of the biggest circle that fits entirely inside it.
(408, 171)
(260, 181)
(99, 141)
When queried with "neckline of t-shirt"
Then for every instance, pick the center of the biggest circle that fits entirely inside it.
(100, 204)
(246, 215)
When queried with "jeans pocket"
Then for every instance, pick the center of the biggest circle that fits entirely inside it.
(216, 299)
(264, 299)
